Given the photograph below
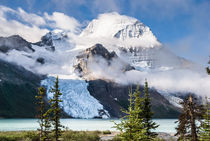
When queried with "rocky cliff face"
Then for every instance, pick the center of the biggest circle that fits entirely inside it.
(114, 97)
(14, 42)
(95, 67)
(96, 56)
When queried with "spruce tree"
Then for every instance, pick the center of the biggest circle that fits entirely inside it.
(131, 125)
(56, 110)
(147, 114)
(139, 127)
(208, 69)
(44, 117)
(191, 112)
(183, 123)
(205, 125)
(47, 125)
(41, 110)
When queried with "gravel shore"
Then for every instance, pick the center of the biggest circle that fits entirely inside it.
(161, 135)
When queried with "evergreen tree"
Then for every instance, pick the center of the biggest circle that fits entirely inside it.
(131, 125)
(147, 114)
(208, 69)
(183, 123)
(139, 127)
(41, 110)
(56, 110)
(191, 112)
(47, 125)
(205, 125)
(43, 116)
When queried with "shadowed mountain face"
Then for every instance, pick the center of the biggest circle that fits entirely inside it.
(18, 88)
(114, 96)
(93, 73)
(97, 57)
(14, 42)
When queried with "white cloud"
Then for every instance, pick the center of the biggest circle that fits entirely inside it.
(32, 34)
(62, 21)
(30, 17)
(32, 26)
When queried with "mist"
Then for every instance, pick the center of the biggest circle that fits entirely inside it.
(173, 75)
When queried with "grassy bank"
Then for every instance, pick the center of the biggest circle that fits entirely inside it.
(69, 136)
(34, 136)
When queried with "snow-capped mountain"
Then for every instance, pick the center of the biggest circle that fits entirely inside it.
(125, 31)
(113, 51)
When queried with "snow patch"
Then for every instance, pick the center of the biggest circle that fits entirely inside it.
(172, 99)
(112, 29)
(77, 100)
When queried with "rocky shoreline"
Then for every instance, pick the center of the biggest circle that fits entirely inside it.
(161, 135)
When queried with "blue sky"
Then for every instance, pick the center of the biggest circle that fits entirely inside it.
(182, 25)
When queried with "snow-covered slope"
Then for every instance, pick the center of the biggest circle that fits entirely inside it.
(133, 43)
(128, 31)
(77, 101)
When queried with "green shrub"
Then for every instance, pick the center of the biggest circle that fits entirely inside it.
(107, 132)
(80, 136)
(31, 136)
(66, 136)
(158, 139)
(117, 138)
(10, 136)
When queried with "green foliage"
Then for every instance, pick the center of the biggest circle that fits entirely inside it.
(19, 136)
(47, 125)
(80, 136)
(191, 112)
(131, 125)
(56, 110)
(31, 136)
(207, 68)
(205, 125)
(117, 138)
(137, 124)
(41, 109)
(44, 115)
(34, 136)
(147, 114)
(107, 132)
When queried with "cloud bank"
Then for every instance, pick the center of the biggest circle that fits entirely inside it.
(32, 26)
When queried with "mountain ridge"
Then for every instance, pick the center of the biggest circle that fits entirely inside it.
(115, 60)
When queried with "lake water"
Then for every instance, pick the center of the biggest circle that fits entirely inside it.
(165, 125)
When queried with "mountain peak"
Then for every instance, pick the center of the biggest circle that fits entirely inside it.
(108, 24)
(14, 42)
(127, 30)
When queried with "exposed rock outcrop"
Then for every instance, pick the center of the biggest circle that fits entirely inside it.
(15, 42)
(98, 56)
(114, 96)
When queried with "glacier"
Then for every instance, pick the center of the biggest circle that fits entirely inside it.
(132, 41)
(77, 100)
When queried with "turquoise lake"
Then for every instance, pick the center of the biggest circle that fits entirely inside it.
(165, 125)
